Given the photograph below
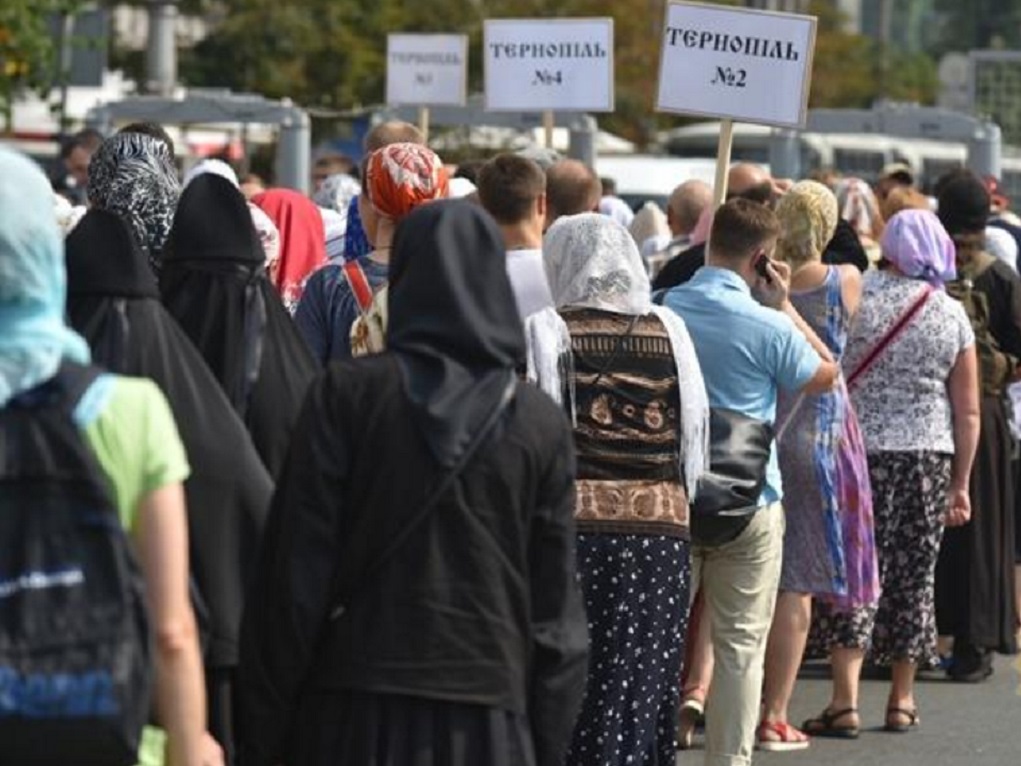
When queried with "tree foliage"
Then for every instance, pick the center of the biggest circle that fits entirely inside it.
(331, 53)
(29, 58)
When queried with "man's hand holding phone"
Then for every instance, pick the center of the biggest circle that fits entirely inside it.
(773, 286)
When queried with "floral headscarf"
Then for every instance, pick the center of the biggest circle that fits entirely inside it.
(133, 175)
(808, 218)
(400, 177)
(917, 244)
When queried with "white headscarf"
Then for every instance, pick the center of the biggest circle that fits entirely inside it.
(214, 166)
(593, 262)
(1002, 245)
(617, 209)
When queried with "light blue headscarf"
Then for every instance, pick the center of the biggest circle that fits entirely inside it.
(33, 281)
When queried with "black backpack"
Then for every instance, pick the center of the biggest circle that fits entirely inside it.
(75, 648)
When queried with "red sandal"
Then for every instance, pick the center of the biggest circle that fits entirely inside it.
(790, 738)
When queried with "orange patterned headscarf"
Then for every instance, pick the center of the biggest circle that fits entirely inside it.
(400, 177)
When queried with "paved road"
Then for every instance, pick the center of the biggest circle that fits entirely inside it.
(961, 725)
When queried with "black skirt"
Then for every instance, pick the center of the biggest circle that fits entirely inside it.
(368, 729)
(975, 576)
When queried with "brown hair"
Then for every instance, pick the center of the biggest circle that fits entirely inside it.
(741, 226)
(903, 198)
(393, 132)
(509, 186)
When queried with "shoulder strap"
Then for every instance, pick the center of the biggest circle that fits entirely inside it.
(64, 390)
(359, 283)
(890, 336)
(344, 602)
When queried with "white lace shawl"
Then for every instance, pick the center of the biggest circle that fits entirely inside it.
(592, 262)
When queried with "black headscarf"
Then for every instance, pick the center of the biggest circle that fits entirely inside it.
(214, 284)
(453, 323)
(113, 302)
(846, 247)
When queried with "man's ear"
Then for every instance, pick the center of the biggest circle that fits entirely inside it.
(540, 205)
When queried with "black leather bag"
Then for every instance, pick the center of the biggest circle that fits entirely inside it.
(728, 495)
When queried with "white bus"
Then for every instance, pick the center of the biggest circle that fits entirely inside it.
(854, 154)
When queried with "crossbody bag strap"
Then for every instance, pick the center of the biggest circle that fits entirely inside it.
(359, 284)
(891, 335)
(344, 602)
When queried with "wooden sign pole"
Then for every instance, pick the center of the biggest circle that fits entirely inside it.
(423, 122)
(547, 124)
(723, 153)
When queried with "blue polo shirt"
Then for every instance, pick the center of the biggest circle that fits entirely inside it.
(745, 350)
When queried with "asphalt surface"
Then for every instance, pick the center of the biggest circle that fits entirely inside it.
(961, 724)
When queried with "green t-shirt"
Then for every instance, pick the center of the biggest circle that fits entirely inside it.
(131, 430)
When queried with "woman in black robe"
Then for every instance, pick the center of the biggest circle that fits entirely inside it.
(214, 283)
(468, 645)
(975, 601)
(114, 303)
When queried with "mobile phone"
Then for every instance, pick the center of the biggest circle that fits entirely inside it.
(762, 267)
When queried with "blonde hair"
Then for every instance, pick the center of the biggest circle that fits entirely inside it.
(808, 218)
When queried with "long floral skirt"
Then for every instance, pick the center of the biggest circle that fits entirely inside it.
(636, 590)
(909, 496)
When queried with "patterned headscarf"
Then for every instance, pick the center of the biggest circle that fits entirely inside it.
(133, 175)
(400, 177)
(808, 218)
(593, 262)
(917, 244)
(33, 281)
(336, 193)
(334, 200)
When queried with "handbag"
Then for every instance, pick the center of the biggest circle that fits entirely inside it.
(728, 494)
(344, 600)
(891, 335)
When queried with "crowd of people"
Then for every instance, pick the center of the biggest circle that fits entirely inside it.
(477, 465)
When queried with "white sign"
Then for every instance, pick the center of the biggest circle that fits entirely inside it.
(426, 70)
(549, 64)
(733, 63)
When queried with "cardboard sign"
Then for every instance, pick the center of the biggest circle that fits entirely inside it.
(549, 64)
(738, 64)
(426, 70)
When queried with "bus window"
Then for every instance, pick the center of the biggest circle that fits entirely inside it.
(865, 165)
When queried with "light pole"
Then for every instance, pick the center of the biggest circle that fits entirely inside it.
(161, 58)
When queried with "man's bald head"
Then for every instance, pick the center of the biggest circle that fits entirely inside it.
(749, 181)
(393, 132)
(571, 188)
(686, 204)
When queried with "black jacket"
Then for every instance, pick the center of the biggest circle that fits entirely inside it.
(480, 605)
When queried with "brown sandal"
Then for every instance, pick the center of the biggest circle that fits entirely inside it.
(897, 726)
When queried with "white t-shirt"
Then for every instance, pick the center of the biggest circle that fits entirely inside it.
(528, 279)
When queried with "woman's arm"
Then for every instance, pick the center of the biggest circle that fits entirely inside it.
(161, 539)
(962, 387)
(850, 288)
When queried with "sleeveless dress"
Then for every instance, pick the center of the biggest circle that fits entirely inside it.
(829, 545)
